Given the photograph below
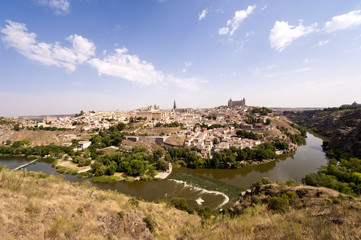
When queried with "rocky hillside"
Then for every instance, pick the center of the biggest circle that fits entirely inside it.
(37, 206)
(341, 126)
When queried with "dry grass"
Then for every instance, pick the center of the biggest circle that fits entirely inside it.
(176, 140)
(32, 207)
(38, 138)
(36, 206)
(156, 131)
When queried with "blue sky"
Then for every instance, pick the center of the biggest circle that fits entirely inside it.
(63, 56)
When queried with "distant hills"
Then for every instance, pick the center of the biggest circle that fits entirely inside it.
(297, 109)
(341, 125)
(40, 117)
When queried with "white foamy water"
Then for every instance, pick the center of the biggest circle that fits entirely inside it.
(199, 201)
(202, 190)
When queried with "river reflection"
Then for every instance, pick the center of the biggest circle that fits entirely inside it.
(308, 158)
(213, 186)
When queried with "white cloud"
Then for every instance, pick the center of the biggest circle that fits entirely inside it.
(186, 66)
(120, 64)
(191, 84)
(249, 34)
(300, 70)
(128, 67)
(234, 23)
(18, 37)
(344, 21)
(322, 42)
(272, 66)
(223, 30)
(60, 7)
(308, 60)
(131, 68)
(282, 34)
(203, 14)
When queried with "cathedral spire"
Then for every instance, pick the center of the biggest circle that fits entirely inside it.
(174, 105)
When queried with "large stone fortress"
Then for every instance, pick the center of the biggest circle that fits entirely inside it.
(241, 103)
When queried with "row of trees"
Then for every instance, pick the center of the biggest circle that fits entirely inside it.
(136, 163)
(48, 128)
(227, 158)
(247, 134)
(262, 110)
(208, 127)
(172, 124)
(17, 149)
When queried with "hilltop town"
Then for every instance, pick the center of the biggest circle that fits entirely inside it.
(208, 130)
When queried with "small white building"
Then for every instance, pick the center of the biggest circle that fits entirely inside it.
(83, 145)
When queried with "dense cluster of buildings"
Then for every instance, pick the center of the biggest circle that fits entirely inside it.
(208, 130)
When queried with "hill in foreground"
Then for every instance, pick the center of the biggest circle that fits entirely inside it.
(38, 206)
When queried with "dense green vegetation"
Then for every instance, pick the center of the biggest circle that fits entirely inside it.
(227, 158)
(342, 173)
(35, 128)
(21, 147)
(212, 117)
(172, 124)
(295, 138)
(110, 137)
(208, 127)
(342, 127)
(181, 204)
(262, 110)
(247, 134)
(138, 162)
(105, 179)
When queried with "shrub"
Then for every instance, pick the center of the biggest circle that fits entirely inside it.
(85, 175)
(162, 165)
(263, 181)
(105, 179)
(146, 178)
(255, 199)
(129, 179)
(181, 204)
(278, 204)
(291, 183)
(206, 212)
(82, 161)
(62, 169)
(134, 202)
(150, 223)
(55, 162)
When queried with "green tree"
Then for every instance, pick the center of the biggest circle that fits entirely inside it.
(136, 167)
(268, 121)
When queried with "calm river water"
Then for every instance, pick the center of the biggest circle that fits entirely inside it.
(210, 187)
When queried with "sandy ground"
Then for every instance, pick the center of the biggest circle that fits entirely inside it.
(164, 175)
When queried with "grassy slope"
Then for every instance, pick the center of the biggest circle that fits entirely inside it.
(42, 137)
(35, 206)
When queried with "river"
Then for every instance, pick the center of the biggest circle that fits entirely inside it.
(213, 188)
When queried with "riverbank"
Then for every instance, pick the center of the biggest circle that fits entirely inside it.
(164, 175)
(307, 159)
(80, 211)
